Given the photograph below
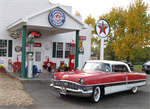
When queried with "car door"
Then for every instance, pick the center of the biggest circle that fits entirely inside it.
(118, 78)
(133, 80)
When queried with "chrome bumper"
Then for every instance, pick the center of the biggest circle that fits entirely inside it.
(68, 91)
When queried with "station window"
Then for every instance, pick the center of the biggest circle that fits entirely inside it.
(5, 48)
(67, 50)
(58, 49)
(37, 56)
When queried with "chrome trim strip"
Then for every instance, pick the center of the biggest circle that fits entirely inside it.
(101, 83)
(116, 82)
(72, 90)
(88, 91)
(137, 80)
(68, 81)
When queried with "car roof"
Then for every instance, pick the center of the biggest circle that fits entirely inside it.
(108, 61)
(147, 63)
(111, 62)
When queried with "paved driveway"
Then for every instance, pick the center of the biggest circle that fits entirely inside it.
(47, 98)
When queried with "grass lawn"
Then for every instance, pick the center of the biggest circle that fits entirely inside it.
(138, 68)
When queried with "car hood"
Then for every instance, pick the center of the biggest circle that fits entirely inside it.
(75, 75)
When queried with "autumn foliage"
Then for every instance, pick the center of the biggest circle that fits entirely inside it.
(130, 32)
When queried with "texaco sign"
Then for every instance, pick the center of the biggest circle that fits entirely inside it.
(102, 28)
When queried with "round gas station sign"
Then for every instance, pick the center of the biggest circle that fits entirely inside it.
(102, 28)
(56, 17)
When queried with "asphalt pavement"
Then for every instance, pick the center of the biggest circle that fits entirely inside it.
(47, 98)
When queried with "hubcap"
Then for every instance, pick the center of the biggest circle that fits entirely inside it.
(134, 89)
(97, 94)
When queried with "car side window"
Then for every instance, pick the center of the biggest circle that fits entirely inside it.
(119, 68)
(107, 68)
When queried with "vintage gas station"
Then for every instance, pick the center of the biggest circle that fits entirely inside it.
(48, 37)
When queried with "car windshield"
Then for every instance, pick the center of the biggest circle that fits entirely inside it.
(96, 66)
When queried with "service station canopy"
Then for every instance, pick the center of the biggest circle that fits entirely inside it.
(40, 21)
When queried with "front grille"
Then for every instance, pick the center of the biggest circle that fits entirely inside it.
(66, 84)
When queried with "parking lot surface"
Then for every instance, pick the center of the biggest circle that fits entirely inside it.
(47, 98)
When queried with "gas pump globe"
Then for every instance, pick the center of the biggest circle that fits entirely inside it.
(72, 57)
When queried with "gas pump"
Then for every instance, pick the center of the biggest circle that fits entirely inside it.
(30, 65)
(72, 57)
(30, 57)
(16, 65)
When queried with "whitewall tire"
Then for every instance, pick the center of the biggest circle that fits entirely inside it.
(97, 93)
(134, 90)
(62, 95)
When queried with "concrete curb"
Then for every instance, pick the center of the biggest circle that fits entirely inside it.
(28, 79)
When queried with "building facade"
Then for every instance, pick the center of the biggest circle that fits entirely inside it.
(18, 19)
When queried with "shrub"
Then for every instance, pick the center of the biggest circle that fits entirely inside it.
(2, 67)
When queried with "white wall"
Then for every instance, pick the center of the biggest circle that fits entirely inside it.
(86, 45)
(47, 40)
(11, 10)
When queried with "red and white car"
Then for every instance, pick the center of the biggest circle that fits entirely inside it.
(97, 78)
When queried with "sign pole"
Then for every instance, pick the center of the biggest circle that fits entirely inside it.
(102, 30)
(102, 49)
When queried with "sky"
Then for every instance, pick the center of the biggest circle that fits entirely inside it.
(95, 8)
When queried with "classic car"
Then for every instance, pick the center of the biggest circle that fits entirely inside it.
(146, 67)
(129, 64)
(98, 78)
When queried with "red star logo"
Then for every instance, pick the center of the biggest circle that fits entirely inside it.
(102, 28)
(58, 17)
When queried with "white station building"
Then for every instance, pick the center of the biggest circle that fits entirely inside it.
(19, 18)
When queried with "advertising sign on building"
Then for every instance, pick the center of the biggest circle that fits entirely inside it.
(56, 17)
(35, 34)
(14, 35)
(82, 37)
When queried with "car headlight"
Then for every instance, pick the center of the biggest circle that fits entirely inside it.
(81, 81)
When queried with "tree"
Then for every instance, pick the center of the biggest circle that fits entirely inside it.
(91, 21)
(130, 31)
(77, 14)
(95, 42)
(95, 48)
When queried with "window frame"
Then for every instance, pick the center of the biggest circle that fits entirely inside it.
(4, 43)
(120, 71)
(55, 55)
(37, 54)
(68, 50)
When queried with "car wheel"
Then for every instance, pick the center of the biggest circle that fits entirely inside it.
(97, 93)
(134, 90)
(61, 95)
